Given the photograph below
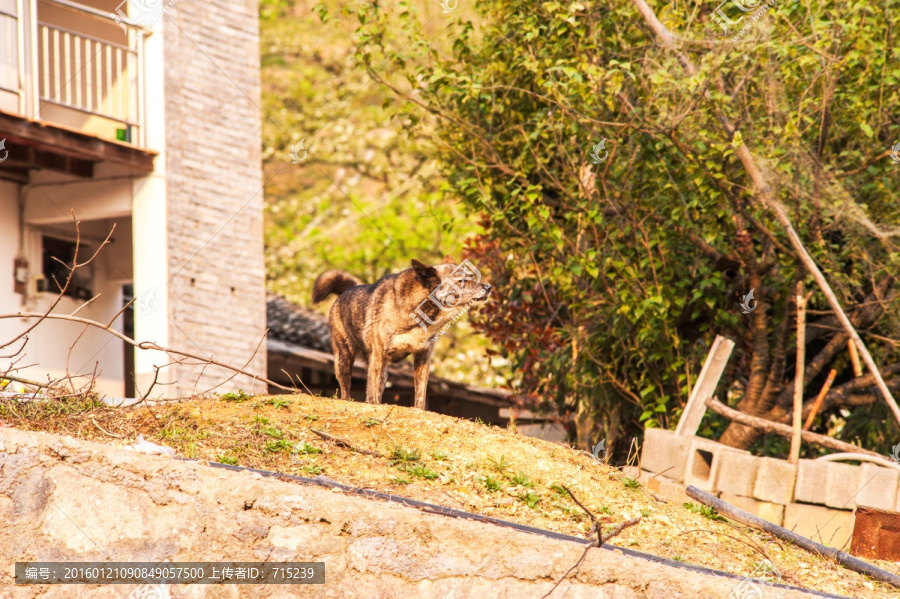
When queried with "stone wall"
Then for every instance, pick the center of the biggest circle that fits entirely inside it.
(814, 498)
(214, 185)
(66, 499)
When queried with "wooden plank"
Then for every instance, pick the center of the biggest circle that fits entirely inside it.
(75, 144)
(705, 387)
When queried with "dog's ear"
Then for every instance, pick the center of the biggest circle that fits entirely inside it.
(426, 274)
(448, 259)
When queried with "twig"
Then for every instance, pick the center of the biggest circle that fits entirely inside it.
(383, 422)
(346, 444)
(618, 528)
(64, 288)
(9, 377)
(290, 378)
(575, 499)
(103, 430)
(601, 538)
(854, 358)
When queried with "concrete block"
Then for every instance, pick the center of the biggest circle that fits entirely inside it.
(775, 481)
(879, 487)
(747, 504)
(631, 471)
(810, 487)
(702, 466)
(671, 490)
(737, 473)
(664, 451)
(821, 524)
(842, 485)
(644, 478)
(771, 512)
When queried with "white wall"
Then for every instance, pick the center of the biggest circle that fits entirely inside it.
(48, 345)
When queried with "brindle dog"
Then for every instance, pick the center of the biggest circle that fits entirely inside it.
(398, 316)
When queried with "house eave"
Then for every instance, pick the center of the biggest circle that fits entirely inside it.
(38, 144)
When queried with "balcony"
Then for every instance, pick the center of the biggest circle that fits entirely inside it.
(74, 65)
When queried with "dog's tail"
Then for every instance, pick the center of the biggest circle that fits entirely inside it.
(332, 281)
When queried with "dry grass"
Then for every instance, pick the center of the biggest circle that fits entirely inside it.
(442, 460)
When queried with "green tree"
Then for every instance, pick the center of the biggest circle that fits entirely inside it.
(621, 230)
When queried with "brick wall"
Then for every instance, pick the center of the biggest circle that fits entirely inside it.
(214, 181)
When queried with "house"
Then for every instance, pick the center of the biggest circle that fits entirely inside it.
(143, 117)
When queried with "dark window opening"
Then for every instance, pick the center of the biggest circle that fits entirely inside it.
(58, 259)
(128, 330)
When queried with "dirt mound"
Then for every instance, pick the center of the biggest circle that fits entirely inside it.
(446, 461)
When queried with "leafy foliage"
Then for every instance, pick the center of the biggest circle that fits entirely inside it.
(615, 264)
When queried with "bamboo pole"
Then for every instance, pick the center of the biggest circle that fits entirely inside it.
(820, 399)
(798, 377)
(854, 358)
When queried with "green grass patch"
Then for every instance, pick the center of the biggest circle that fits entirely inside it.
(278, 446)
(402, 455)
(705, 511)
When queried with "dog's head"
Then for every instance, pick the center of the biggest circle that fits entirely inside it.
(452, 285)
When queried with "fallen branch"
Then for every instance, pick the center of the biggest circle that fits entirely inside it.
(739, 515)
(782, 429)
(346, 444)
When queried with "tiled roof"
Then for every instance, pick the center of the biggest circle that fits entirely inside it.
(293, 323)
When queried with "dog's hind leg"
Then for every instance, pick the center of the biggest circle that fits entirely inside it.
(377, 377)
(344, 356)
(421, 365)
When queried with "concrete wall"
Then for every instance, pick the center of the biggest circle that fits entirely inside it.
(214, 186)
(814, 498)
(65, 499)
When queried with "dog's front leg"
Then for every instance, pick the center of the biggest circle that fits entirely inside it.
(377, 377)
(421, 365)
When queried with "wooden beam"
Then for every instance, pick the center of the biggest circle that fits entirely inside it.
(784, 430)
(20, 131)
(26, 158)
(705, 386)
